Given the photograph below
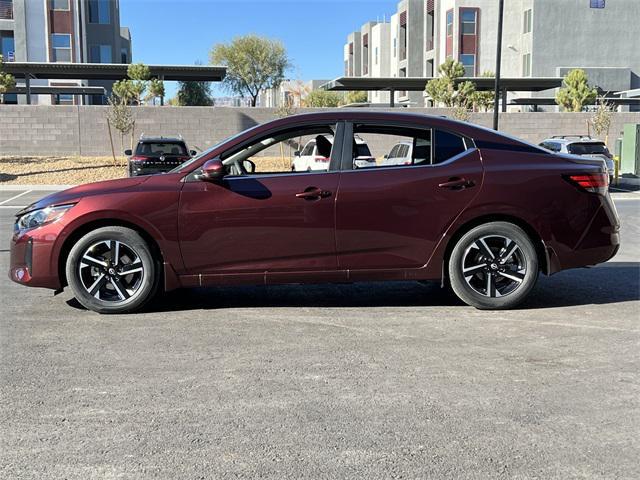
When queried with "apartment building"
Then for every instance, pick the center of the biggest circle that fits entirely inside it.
(289, 92)
(65, 31)
(541, 38)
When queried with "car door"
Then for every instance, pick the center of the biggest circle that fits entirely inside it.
(261, 224)
(391, 217)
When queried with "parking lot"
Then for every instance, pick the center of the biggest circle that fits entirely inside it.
(370, 380)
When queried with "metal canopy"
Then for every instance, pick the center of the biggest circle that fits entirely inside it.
(112, 71)
(552, 101)
(58, 90)
(418, 84)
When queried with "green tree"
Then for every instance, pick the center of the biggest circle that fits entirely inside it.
(132, 89)
(7, 81)
(322, 99)
(156, 89)
(253, 64)
(447, 90)
(575, 92)
(194, 94)
(483, 101)
(356, 97)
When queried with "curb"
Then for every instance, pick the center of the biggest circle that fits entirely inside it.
(14, 188)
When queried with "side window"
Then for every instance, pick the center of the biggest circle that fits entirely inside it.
(446, 145)
(399, 146)
(280, 153)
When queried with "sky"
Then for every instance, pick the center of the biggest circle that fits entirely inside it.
(314, 32)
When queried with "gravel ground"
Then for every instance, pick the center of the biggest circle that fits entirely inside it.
(370, 381)
(59, 170)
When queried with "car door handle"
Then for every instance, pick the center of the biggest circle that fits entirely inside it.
(457, 183)
(313, 193)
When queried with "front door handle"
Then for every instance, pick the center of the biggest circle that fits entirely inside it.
(457, 183)
(313, 193)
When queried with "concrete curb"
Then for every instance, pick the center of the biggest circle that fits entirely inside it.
(15, 187)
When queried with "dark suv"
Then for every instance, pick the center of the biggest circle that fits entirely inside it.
(157, 155)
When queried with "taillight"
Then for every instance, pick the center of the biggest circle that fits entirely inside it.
(137, 158)
(591, 182)
(322, 159)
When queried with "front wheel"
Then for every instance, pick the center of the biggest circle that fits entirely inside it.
(112, 270)
(493, 266)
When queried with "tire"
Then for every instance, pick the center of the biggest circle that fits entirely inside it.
(494, 266)
(105, 286)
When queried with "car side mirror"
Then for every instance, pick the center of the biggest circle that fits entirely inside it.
(193, 153)
(128, 152)
(386, 156)
(296, 153)
(249, 166)
(212, 171)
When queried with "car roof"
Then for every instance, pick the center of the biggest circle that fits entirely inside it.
(161, 140)
(570, 139)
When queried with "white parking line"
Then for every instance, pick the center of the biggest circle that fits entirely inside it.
(14, 197)
(15, 207)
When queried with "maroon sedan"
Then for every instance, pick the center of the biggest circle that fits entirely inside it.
(475, 209)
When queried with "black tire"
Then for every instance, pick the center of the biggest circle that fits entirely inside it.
(481, 259)
(86, 269)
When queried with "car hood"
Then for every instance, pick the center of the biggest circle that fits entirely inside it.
(74, 194)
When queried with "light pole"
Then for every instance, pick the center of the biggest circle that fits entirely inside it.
(496, 100)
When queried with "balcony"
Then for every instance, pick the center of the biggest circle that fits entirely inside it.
(6, 9)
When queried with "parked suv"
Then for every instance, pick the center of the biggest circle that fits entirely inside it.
(157, 155)
(581, 145)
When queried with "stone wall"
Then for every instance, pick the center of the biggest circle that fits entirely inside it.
(82, 130)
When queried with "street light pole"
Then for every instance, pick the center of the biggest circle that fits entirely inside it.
(496, 100)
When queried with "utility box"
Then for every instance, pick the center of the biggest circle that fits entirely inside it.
(630, 160)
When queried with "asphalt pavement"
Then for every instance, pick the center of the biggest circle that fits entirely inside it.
(371, 380)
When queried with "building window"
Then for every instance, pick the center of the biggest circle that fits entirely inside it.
(527, 21)
(365, 54)
(60, 5)
(469, 63)
(100, 54)
(61, 47)
(63, 99)
(6, 10)
(376, 55)
(124, 55)
(403, 35)
(395, 47)
(99, 11)
(468, 22)
(450, 23)
(526, 65)
(7, 46)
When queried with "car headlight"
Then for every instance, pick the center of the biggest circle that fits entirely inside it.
(42, 216)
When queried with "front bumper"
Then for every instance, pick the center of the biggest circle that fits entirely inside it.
(31, 257)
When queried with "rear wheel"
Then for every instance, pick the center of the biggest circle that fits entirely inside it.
(112, 270)
(493, 266)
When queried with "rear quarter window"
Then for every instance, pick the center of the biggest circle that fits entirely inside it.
(446, 146)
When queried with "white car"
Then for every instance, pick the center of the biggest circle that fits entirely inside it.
(583, 146)
(316, 155)
(406, 153)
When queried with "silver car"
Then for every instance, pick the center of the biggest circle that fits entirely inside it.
(581, 145)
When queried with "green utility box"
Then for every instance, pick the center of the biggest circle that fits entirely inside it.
(630, 160)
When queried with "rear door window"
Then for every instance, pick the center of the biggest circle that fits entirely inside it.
(591, 148)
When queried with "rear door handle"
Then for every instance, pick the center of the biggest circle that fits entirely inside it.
(313, 193)
(457, 183)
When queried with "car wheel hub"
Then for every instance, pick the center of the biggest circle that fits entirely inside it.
(494, 266)
(111, 271)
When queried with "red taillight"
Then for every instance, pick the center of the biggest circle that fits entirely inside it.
(322, 159)
(591, 182)
(137, 158)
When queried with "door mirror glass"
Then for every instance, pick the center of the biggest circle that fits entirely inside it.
(128, 152)
(212, 171)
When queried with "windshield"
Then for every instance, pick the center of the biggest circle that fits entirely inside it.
(157, 149)
(596, 148)
(209, 150)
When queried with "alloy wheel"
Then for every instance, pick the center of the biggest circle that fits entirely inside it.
(494, 266)
(111, 271)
